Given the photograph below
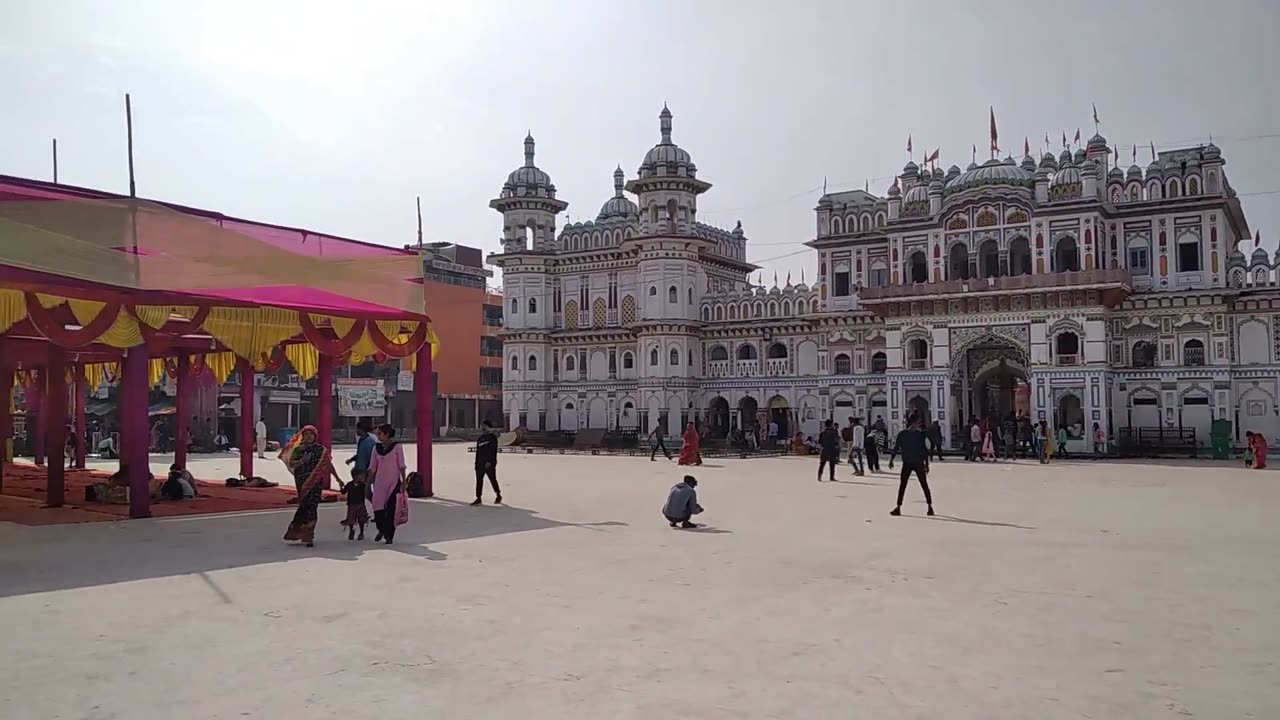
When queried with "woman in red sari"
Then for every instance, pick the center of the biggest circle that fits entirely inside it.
(1258, 443)
(689, 454)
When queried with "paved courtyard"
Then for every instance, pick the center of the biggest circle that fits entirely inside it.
(1090, 590)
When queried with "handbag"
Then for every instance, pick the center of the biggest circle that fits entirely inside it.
(402, 508)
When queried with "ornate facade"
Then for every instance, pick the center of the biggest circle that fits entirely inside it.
(1066, 288)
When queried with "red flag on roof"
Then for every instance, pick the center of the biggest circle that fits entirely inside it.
(995, 136)
(1064, 138)
(1077, 140)
(908, 144)
(1026, 146)
(1095, 114)
(933, 156)
(1046, 140)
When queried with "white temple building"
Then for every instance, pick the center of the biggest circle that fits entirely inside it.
(1064, 287)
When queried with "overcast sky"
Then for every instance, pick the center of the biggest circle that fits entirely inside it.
(333, 116)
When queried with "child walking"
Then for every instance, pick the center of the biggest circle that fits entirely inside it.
(357, 514)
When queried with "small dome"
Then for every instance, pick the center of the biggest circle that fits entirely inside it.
(1212, 151)
(666, 154)
(1154, 170)
(1049, 161)
(737, 229)
(1065, 157)
(1236, 257)
(1065, 176)
(1115, 174)
(1079, 156)
(992, 172)
(952, 171)
(528, 179)
(1097, 142)
(917, 193)
(938, 174)
(618, 206)
(1135, 172)
(1028, 163)
(935, 185)
(894, 190)
(911, 168)
(971, 166)
(1259, 256)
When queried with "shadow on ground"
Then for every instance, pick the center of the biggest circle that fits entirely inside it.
(62, 557)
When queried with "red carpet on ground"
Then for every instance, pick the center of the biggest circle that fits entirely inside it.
(26, 485)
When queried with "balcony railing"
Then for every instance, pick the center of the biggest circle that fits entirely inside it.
(735, 368)
(774, 367)
(917, 363)
(1042, 281)
(719, 368)
(1072, 359)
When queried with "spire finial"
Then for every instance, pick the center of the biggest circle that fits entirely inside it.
(801, 276)
(824, 184)
(528, 150)
(618, 177)
(664, 124)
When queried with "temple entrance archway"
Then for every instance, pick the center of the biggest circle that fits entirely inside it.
(780, 413)
(718, 419)
(990, 381)
(747, 407)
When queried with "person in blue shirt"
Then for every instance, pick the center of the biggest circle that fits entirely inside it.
(364, 449)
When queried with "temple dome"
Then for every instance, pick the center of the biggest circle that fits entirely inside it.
(666, 154)
(992, 172)
(528, 179)
(618, 206)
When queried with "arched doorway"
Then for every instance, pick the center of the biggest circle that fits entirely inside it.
(780, 413)
(569, 417)
(990, 381)
(718, 418)
(918, 405)
(747, 407)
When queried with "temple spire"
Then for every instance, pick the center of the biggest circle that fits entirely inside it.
(664, 124)
(618, 177)
(528, 149)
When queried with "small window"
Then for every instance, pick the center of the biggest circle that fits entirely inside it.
(533, 363)
(628, 362)
(1193, 352)
(842, 286)
(879, 277)
(675, 357)
(515, 306)
(653, 357)
(1144, 354)
(879, 363)
(569, 363)
(653, 291)
(690, 296)
(690, 363)
(1139, 258)
(515, 362)
(673, 295)
(718, 353)
(843, 366)
(747, 351)
(1189, 254)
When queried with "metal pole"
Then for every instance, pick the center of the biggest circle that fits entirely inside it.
(55, 160)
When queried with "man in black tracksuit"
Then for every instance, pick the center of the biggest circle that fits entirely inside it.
(487, 462)
(829, 449)
(913, 446)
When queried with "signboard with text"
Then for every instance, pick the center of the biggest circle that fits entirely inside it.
(361, 397)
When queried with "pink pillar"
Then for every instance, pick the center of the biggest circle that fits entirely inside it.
(135, 430)
(82, 426)
(324, 407)
(181, 431)
(247, 448)
(6, 417)
(54, 419)
(424, 399)
(36, 406)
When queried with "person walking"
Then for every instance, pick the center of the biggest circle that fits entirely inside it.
(656, 441)
(364, 448)
(387, 470)
(875, 441)
(935, 440)
(311, 465)
(1063, 437)
(829, 450)
(988, 447)
(975, 440)
(857, 436)
(487, 463)
(1099, 441)
(912, 444)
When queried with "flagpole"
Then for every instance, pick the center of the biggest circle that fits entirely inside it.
(133, 193)
(419, 222)
(55, 161)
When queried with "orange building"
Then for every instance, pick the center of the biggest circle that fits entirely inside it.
(467, 316)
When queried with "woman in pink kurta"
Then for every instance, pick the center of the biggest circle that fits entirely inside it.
(387, 472)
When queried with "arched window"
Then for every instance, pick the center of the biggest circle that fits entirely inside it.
(777, 351)
(919, 267)
(1189, 252)
(1193, 352)
(917, 354)
(773, 308)
(1193, 186)
(759, 309)
(569, 363)
(1066, 255)
(675, 357)
(1066, 349)
(653, 357)
(653, 291)
(718, 353)
(533, 305)
(958, 262)
(733, 312)
(989, 256)
(719, 313)
(1139, 256)
(747, 351)
(533, 363)
(1144, 354)
(690, 363)
(515, 306)
(1020, 256)
(879, 362)
(628, 361)
(837, 226)
(515, 362)
(673, 295)
(842, 365)
(690, 296)
(706, 314)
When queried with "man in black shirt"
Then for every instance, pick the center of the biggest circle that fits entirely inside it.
(487, 462)
(912, 445)
(829, 450)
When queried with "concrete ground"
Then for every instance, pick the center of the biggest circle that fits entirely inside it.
(1091, 590)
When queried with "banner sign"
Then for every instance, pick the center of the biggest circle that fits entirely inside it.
(361, 397)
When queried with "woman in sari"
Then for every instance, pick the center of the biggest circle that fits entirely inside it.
(1258, 443)
(689, 454)
(311, 465)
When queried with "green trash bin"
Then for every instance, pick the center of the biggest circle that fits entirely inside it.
(1220, 439)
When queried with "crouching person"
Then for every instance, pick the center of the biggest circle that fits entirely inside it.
(682, 503)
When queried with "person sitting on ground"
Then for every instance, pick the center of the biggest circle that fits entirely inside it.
(175, 487)
(798, 446)
(811, 445)
(107, 449)
(222, 443)
(682, 503)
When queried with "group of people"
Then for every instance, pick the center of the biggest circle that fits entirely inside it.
(914, 443)
(1020, 436)
(378, 476)
(690, 448)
